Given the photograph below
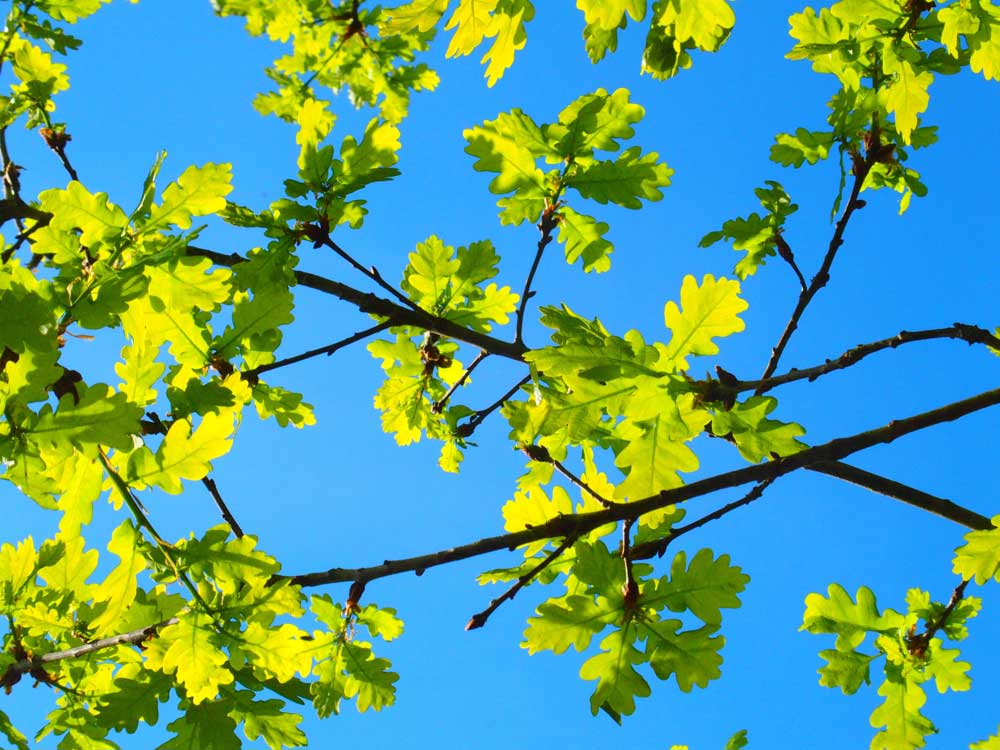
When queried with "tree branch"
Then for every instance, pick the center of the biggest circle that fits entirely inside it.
(477, 419)
(582, 523)
(438, 406)
(132, 638)
(327, 350)
(961, 331)
(549, 222)
(861, 169)
(909, 495)
(657, 547)
(370, 303)
(479, 619)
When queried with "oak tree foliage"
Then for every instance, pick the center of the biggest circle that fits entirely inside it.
(215, 627)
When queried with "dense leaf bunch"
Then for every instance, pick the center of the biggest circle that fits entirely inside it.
(609, 422)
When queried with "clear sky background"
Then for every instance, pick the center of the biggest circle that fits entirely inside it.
(170, 75)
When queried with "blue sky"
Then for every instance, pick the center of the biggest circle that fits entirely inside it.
(173, 76)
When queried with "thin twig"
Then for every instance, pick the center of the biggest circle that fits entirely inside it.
(56, 139)
(372, 273)
(581, 484)
(658, 547)
(862, 168)
(961, 331)
(550, 220)
(917, 644)
(438, 406)
(370, 303)
(327, 350)
(159, 427)
(469, 427)
(478, 620)
(132, 638)
(785, 251)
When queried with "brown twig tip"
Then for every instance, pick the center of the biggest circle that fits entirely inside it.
(475, 622)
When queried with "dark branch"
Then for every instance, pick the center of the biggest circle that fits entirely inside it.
(909, 495)
(583, 523)
(370, 303)
(961, 331)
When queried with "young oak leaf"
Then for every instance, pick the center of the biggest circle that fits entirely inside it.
(498, 147)
(608, 14)
(845, 669)
(199, 191)
(422, 15)
(618, 682)
(906, 96)
(205, 725)
(584, 239)
(708, 311)
(943, 665)
(183, 454)
(279, 651)
(592, 122)
(756, 436)
(692, 656)
(979, 557)
(572, 620)
(850, 621)
(190, 649)
(118, 590)
(902, 725)
(510, 37)
(267, 720)
(704, 587)
(98, 219)
(627, 181)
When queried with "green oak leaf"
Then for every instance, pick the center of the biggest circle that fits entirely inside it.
(851, 621)
(708, 311)
(756, 436)
(618, 682)
(704, 587)
(691, 656)
(979, 557)
(845, 669)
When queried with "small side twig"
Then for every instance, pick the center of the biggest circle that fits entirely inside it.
(209, 483)
(327, 350)
(372, 273)
(550, 220)
(56, 139)
(971, 334)
(438, 406)
(658, 547)
(785, 251)
(862, 166)
(539, 453)
(918, 643)
(479, 619)
(465, 430)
